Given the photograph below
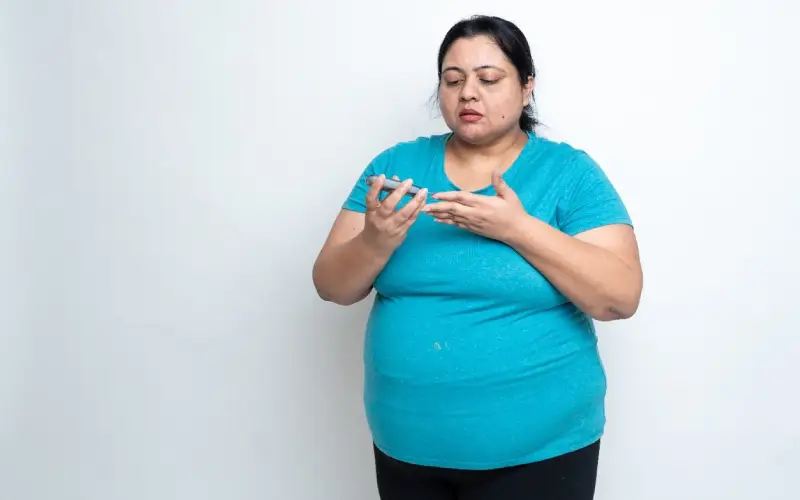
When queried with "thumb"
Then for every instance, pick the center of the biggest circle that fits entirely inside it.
(503, 190)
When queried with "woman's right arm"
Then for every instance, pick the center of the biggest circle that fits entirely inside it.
(360, 244)
(347, 265)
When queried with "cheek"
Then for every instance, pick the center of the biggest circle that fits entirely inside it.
(444, 104)
(507, 110)
(448, 99)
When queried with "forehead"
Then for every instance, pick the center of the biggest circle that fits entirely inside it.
(469, 53)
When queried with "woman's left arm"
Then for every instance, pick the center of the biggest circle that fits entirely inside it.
(598, 270)
(593, 260)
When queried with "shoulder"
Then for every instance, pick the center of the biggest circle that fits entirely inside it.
(586, 197)
(567, 162)
(562, 153)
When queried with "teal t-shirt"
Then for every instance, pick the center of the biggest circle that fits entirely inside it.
(473, 360)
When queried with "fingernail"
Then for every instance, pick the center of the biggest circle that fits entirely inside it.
(423, 192)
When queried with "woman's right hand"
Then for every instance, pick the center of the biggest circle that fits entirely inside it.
(384, 228)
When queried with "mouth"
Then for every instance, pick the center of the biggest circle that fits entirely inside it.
(470, 115)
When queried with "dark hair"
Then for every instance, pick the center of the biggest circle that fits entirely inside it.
(510, 39)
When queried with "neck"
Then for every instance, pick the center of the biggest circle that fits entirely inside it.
(494, 148)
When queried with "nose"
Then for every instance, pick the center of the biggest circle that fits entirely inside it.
(469, 91)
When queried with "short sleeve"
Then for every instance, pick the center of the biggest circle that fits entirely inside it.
(591, 201)
(356, 201)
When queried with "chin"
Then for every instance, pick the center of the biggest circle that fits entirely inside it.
(480, 133)
(472, 134)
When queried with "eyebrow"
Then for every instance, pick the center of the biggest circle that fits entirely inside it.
(476, 68)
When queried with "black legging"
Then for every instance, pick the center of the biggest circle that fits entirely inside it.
(567, 477)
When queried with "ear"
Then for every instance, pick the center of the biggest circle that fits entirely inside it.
(527, 91)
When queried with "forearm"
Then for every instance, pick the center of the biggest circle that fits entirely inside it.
(596, 280)
(344, 273)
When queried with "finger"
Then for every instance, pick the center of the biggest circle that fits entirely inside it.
(444, 220)
(414, 206)
(390, 202)
(500, 187)
(450, 207)
(414, 216)
(416, 213)
(461, 221)
(450, 220)
(444, 217)
(372, 194)
(463, 197)
(453, 220)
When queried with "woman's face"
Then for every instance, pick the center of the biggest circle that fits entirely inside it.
(480, 95)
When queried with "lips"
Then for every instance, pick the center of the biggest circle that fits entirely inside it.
(470, 116)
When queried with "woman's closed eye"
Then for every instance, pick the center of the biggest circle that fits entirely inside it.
(485, 81)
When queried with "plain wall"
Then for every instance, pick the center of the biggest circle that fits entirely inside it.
(171, 168)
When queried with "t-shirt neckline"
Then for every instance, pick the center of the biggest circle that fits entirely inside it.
(508, 175)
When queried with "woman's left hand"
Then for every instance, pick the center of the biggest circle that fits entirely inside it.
(495, 217)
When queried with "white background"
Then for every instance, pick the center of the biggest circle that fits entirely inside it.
(170, 169)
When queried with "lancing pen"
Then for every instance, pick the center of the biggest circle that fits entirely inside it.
(390, 185)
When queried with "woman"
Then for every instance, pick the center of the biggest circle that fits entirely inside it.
(482, 375)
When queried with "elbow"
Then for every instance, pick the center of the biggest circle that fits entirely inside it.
(622, 303)
(323, 292)
(616, 308)
(339, 301)
(610, 313)
(328, 296)
(328, 293)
